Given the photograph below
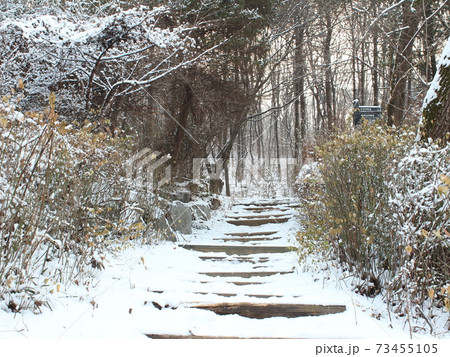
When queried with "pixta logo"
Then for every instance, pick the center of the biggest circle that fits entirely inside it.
(141, 168)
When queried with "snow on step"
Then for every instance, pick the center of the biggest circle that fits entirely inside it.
(247, 234)
(247, 284)
(259, 216)
(264, 209)
(263, 311)
(268, 203)
(247, 239)
(253, 260)
(238, 249)
(195, 337)
(245, 274)
(258, 222)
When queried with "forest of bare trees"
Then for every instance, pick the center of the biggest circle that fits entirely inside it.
(248, 78)
(382, 53)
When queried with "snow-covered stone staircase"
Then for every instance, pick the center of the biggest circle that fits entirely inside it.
(247, 270)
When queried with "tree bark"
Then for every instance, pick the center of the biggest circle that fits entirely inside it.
(182, 124)
(436, 114)
(399, 80)
(299, 92)
(354, 54)
(328, 73)
(375, 85)
(429, 39)
(362, 72)
(275, 116)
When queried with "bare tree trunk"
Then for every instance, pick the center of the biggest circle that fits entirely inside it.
(297, 65)
(429, 39)
(388, 55)
(299, 92)
(303, 118)
(362, 75)
(275, 115)
(375, 85)
(362, 63)
(225, 153)
(399, 80)
(240, 157)
(319, 118)
(260, 144)
(182, 124)
(328, 73)
(227, 179)
(354, 65)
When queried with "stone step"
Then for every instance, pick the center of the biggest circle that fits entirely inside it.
(239, 259)
(262, 311)
(245, 274)
(257, 296)
(208, 337)
(267, 204)
(242, 299)
(238, 250)
(258, 222)
(246, 240)
(259, 216)
(265, 296)
(251, 234)
(238, 283)
(242, 283)
(268, 208)
(218, 294)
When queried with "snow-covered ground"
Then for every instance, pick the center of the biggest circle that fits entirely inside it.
(124, 302)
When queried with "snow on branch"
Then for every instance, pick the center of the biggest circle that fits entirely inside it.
(133, 47)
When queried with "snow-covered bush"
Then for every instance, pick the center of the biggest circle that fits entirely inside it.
(90, 58)
(309, 188)
(62, 196)
(352, 201)
(380, 206)
(420, 204)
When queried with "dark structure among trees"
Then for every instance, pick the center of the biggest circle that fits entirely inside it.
(370, 113)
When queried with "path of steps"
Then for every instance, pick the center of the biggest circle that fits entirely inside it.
(245, 265)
